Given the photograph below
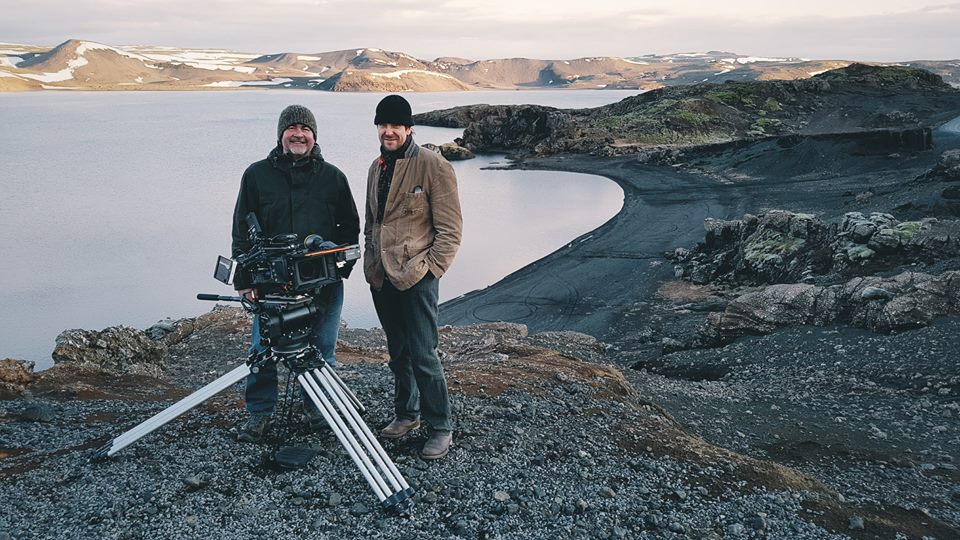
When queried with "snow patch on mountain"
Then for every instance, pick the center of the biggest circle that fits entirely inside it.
(236, 84)
(209, 59)
(399, 73)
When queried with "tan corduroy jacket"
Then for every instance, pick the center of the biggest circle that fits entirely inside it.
(421, 225)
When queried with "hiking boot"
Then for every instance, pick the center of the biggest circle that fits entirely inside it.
(399, 427)
(254, 429)
(312, 417)
(437, 445)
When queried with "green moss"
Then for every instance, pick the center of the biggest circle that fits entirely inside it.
(763, 125)
(611, 122)
(695, 119)
(907, 229)
(735, 94)
(772, 105)
(859, 253)
(727, 97)
(772, 248)
(898, 73)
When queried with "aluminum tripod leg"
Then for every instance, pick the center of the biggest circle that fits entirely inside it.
(334, 385)
(339, 411)
(353, 397)
(175, 410)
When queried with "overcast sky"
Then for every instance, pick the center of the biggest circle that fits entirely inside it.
(879, 30)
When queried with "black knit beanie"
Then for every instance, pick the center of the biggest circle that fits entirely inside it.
(296, 114)
(393, 109)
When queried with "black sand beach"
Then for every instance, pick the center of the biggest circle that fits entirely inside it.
(604, 283)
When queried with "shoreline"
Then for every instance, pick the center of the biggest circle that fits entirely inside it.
(603, 282)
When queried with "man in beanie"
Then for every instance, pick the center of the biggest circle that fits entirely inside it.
(294, 190)
(411, 234)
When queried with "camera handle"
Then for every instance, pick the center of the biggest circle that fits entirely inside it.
(247, 305)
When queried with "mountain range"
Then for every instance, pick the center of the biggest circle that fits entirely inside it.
(86, 65)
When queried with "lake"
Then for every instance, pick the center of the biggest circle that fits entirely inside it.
(116, 204)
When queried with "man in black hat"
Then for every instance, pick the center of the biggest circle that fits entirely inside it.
(294, 190)
(411, 235)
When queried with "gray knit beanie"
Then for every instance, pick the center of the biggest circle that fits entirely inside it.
(296, 114)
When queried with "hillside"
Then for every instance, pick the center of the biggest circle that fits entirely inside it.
(79, 64)
(853, 99)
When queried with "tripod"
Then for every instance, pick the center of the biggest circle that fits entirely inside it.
(285, 326)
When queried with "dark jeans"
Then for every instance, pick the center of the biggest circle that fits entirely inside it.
(409, 318)
(261, 391)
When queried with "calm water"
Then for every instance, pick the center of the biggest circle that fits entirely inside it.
(116, 205)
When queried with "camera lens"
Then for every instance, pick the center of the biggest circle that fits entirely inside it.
(310, 270)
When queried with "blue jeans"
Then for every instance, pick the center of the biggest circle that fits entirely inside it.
(261, 392)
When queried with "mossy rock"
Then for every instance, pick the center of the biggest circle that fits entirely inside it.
(860, 253)
(907, 229)
(764, 250)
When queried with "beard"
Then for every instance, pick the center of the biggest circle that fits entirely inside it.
(297, 148)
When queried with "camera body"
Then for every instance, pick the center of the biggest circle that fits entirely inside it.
(282, 265)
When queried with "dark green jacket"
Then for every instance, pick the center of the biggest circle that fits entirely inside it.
(312, 197)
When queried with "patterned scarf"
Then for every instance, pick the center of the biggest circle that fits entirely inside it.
(388, 161)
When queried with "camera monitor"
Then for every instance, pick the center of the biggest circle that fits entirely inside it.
(225, 270)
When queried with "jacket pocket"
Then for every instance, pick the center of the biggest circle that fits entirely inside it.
(414, 203)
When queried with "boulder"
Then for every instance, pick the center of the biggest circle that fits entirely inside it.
(118, 349)
(15, 375)
(907, 300)
(774, 247)
(454, 152)
(787, 247)
(451, 151)
(947, 169)
(764, 311)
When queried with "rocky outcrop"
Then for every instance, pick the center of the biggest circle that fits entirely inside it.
(711, 114)
(946, 170)
(15, 375)
(451, 151)
(511, 127)
(880, 241)
(118, 349)
(456, 117)
(787, 247)
(902, 302)
(774, 247)
(170, 332)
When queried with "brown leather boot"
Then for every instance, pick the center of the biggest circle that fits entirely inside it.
(437, 445)
(399, 427)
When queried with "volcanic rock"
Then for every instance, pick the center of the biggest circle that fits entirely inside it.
(451, 151)
(15, 375)
(786, 247)
(118, 349)
(907, 300)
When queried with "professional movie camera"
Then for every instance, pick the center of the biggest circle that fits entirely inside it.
(288, 276)
(282, 265)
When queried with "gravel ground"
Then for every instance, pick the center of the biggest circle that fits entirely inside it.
(875, 417)
(548, 445)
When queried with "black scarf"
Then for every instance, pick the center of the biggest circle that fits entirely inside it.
(388, 161)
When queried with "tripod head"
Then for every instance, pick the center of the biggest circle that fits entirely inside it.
(285, 323)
